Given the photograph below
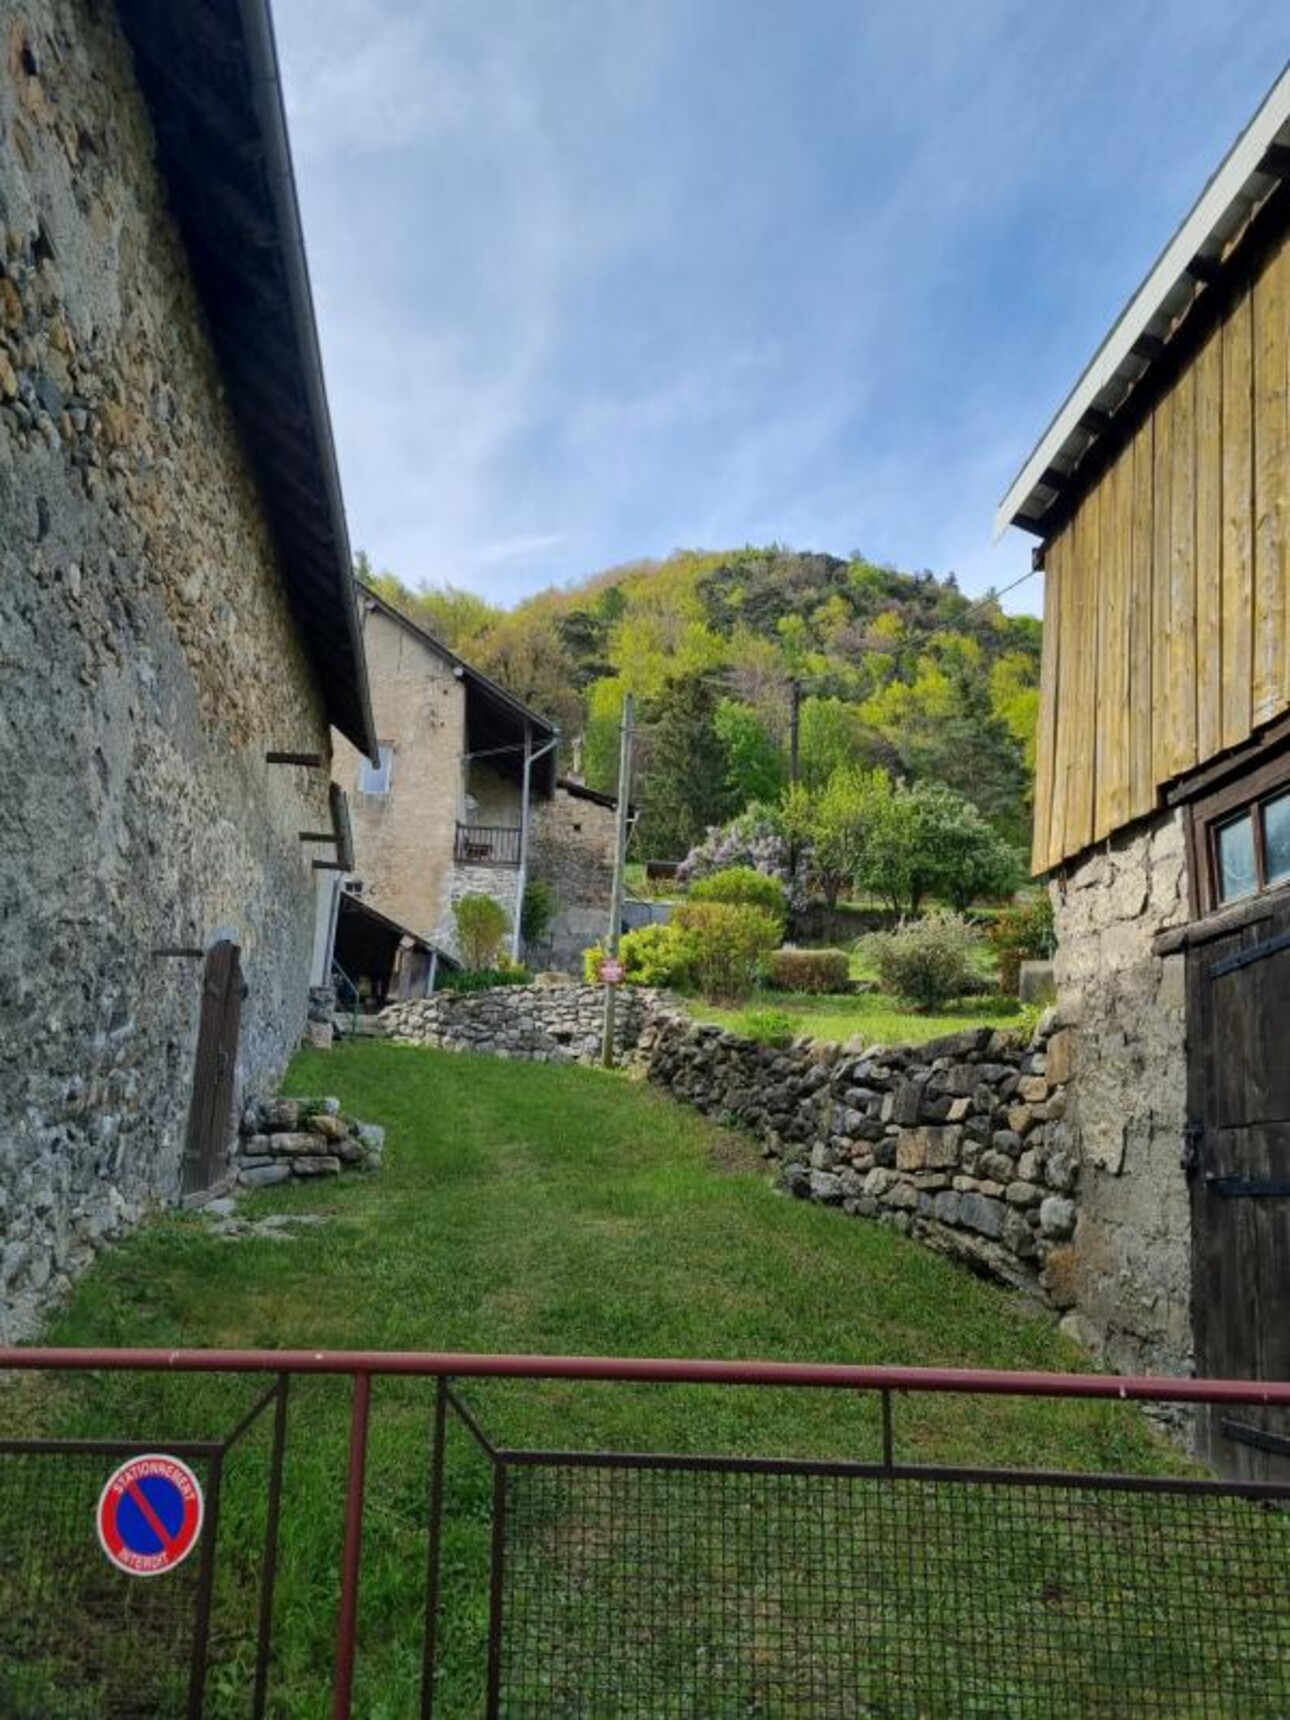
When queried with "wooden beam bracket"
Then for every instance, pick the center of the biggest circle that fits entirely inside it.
(310, 761)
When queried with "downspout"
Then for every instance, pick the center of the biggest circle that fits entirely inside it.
(521, 881)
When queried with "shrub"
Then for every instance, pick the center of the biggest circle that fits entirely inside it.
(726, 945)
(809, 970)
(767, 1026)
(1023, 933)
(482, 979)
(756, 838)
(481, 926)
(926, 961)
(744, 886)
(536, 911)
(651, 955)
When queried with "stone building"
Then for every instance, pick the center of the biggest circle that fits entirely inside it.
(575, 835)
(175, 609)
(442, 814)
(1161, 496)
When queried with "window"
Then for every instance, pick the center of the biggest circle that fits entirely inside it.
(1241, 836)
(374, 780)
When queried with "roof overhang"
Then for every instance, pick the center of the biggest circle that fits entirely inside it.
(208, 70)
(1258, 162)
(496, 721)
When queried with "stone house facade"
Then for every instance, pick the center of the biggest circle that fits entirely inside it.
(169, 617)
(443, 816)
(1161, 498)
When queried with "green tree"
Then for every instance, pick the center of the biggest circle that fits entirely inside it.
(755, 766)
(683, 787)
(927, 840)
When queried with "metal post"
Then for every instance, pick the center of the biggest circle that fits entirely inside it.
(268, 1578)
(351, 1559)
(434, 1555)
(517, 938)
(620, 866)
(496, 1592)
(205, 1591)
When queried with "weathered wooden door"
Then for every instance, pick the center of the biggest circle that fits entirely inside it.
(1239, 1153)
(211, 1113)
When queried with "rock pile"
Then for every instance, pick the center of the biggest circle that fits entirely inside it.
(283, 1138)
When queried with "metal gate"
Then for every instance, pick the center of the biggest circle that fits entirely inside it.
(1239, 1159)
(210, 1116)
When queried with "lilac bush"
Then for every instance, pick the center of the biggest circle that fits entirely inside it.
(755, 838)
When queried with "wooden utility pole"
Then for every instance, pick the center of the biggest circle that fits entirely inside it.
(620, 866)
(794, 725)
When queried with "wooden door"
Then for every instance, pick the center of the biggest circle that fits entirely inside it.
(210, 1116)
(1239, 1160)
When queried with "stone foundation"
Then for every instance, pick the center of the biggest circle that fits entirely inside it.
(1125, 1007)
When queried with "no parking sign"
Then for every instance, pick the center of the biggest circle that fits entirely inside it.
(150, 1515)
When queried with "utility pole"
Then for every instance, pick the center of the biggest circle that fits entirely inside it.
(794, 725)
(620, 866)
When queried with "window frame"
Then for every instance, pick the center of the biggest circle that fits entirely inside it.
(385, 752)
(1250, 792)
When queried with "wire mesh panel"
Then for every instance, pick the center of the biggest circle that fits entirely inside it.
(636, 1589)
(79, 1638)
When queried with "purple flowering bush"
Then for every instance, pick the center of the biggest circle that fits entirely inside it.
(756, 838)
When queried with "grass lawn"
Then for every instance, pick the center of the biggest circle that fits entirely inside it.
(875, 1017)
(529, 1208)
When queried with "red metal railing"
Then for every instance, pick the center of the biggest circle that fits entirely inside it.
(448, 1368)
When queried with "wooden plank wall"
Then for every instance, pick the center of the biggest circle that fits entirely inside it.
(1167, 615)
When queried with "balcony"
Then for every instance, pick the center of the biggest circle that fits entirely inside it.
(487, 845)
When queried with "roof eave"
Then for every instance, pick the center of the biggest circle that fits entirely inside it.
(1251, 170)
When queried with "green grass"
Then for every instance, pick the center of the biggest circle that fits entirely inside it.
(876, 1018)
(530, 1208)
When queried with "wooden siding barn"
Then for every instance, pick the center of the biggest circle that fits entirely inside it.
(1161, 494)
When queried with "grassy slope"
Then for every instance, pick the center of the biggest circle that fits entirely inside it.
(533, 1208)
(874, 1017)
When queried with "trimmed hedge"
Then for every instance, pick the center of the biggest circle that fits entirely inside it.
(809, 970)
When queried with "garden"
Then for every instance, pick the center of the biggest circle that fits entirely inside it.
(939, 891)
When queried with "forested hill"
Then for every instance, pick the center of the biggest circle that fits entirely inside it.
(893, 669)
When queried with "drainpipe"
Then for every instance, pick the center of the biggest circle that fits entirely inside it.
(530, 758)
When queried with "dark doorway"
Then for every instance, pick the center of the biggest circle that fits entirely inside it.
(211, 1114)
(1239, 1152)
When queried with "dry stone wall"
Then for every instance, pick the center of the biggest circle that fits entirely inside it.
(148, 660)
(962, 1143)
(285, 1138)
(541, 1023)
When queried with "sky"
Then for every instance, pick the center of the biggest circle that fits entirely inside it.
(600, 279)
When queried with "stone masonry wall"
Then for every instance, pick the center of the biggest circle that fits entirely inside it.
(573, 847)
(147, 661)
(1125, 1007)
(541, 1023)
(961, 1143)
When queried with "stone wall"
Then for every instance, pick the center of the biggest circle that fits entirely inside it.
(573, 846)
(147, 661)
(284, 1138)
(1126, 1010)
(961, 1143)
(541, 1023)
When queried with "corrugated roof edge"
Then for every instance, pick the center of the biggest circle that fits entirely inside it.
(262, 49)
(1237, 187)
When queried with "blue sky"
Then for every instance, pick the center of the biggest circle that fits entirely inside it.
(597, 279)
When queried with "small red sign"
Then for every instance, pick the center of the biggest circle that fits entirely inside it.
(611, 971)
(150, 1515)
